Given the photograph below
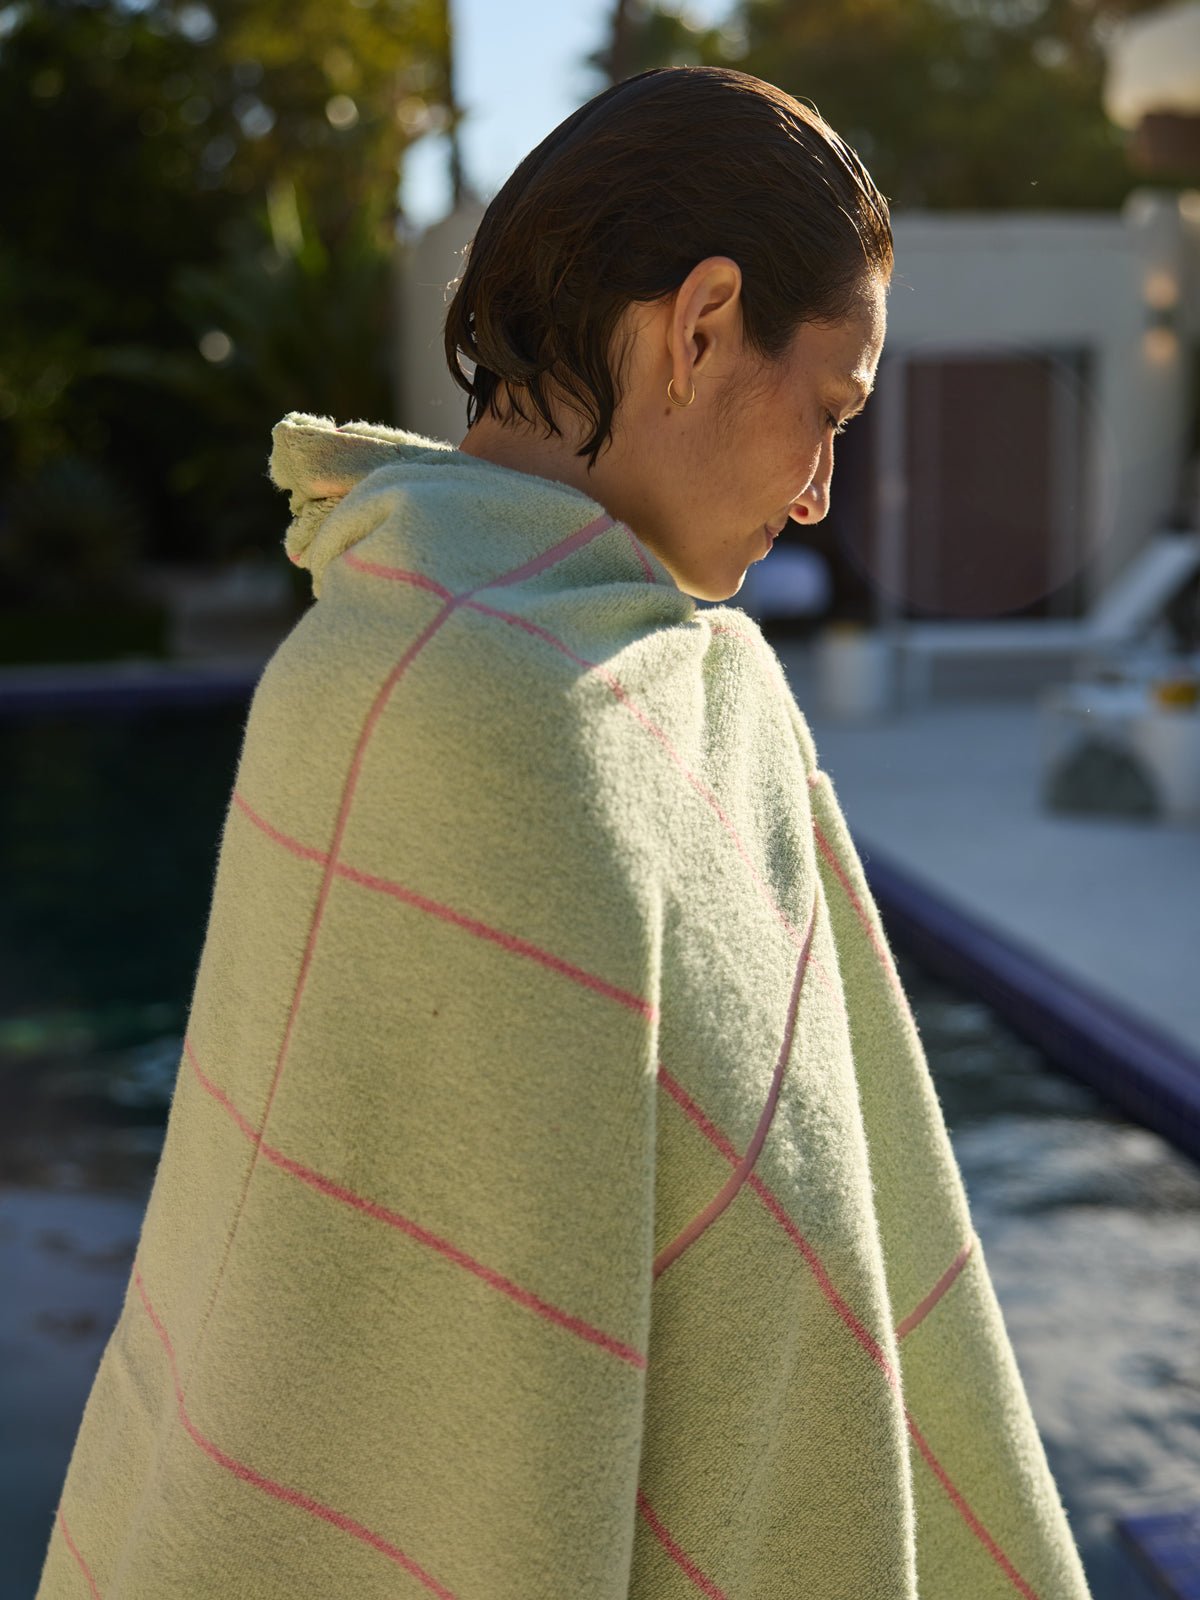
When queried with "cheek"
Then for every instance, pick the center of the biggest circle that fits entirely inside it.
(808, 464)
(797, 452)
(786, 455)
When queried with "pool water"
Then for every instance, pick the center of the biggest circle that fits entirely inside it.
(109, 830)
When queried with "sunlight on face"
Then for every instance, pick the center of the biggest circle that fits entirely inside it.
(767, 454)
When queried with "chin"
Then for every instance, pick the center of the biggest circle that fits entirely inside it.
(728, 591)
(710, 586)
(715, 593)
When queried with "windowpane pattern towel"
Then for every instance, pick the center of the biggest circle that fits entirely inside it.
(555, 1201)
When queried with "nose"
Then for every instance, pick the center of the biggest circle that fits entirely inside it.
(813, 504)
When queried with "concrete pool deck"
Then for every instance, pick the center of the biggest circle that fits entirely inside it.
(949, 794)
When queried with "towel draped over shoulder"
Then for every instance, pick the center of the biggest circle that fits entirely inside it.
(555, 1199)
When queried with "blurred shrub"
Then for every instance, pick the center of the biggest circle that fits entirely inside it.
(282, 322)
(70, 535)
(45, 635)
(199, 218)
(978, 105)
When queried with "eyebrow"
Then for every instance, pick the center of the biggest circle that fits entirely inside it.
(861, 392)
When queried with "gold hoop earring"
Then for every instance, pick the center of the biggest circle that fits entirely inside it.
(671, 396)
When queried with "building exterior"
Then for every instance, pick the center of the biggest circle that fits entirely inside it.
(1035, 414)
(1152, 86)
(1036, 422)
(429, 401)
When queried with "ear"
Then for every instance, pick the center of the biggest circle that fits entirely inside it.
(708, 315)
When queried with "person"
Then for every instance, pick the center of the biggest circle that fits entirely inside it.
(555, 1198)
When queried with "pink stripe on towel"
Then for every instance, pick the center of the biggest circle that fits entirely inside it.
(376, 569)
(853, 1323)
(676, 1552)
(885, 960)
(293, 1497)
(323, 1184)
(74, 1549)
(655, 731)
(481, 930)
(508, 941)
(921, 1311)
(729, 1189)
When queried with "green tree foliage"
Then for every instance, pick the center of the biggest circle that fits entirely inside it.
(279, 323)
(200, 204)
(952, 104)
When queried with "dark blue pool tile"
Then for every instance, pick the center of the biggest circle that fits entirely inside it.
(1167, 1547)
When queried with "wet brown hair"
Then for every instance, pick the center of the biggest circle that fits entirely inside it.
(621, 201)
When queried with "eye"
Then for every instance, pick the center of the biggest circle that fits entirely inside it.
(832, 422)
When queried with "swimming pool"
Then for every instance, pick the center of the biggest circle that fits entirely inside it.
(109, 832)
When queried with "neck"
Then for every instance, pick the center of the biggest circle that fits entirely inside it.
(522, 447)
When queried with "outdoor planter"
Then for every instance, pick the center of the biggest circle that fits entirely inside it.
(856, 671)
(1123, 749)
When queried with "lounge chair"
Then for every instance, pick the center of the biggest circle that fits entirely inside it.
(1127, 611)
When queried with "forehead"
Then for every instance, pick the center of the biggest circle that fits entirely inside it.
(845, 353)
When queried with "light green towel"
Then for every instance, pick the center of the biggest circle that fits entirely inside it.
(555, 1203)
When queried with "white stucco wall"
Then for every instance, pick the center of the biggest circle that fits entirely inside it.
(430, 402)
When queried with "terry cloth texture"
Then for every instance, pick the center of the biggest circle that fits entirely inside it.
(555, 1201)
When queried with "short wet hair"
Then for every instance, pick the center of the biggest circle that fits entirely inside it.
(621, 201)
